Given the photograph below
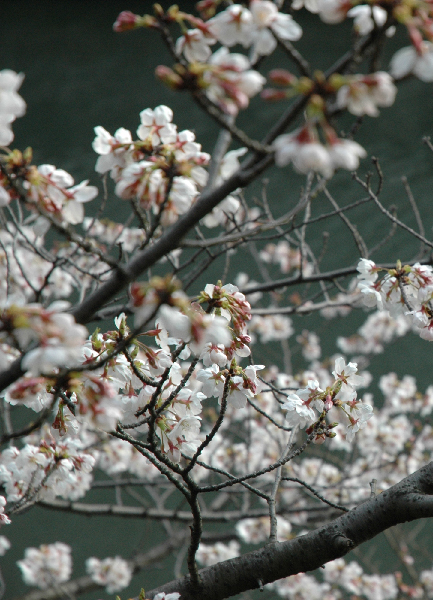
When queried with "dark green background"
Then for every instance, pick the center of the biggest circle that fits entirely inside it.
(80, 74)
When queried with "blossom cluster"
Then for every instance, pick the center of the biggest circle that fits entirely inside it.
(113, 573)
(403, 291)
(60, 339)
(45, 471)
(162, 170)
(306, 152)
(47, 565)
(301, 406)
(48, 192)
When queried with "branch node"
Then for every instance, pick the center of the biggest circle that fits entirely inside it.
(342, 543)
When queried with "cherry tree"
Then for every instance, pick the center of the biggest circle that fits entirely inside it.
(195, 401)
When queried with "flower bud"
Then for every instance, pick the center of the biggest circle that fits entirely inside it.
(273, 95)
(282, 77)
(125, 21)
(158, 10)
(169, 77)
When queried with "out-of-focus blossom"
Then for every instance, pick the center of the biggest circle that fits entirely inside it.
(232, 26)
(210, 555)
(11, 104)
(47, 565)
(409, 60)
(195, 45)
(364, 93)
(306, 153)
(113, 573)
(230, 81)
(267, 22)
(367, 17)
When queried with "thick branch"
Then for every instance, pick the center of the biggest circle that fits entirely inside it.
(408, 500)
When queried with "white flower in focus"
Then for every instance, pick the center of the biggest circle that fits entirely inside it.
(187, 428)
(371, 297)
(367, 270)
(114, 150)
(113, 573)
(213, 354)
(213, 382)
(195, 45)
(298, 413)
(47, 565)
(157, 124)
(408, 61)
(346, 373)
(358, 416)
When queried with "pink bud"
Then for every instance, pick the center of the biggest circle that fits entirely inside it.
(273, 95)
(125, 21)
(169, 77)
(328, 402)
(281, 77)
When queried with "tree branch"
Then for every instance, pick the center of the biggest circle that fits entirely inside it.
(408, 500)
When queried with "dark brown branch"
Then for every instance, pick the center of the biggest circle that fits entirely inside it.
(408, 500)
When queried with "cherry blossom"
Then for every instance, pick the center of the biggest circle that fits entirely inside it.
(195, 45)
(4, 545)
(210, 555)
(306, 153)
(157, 125)
(113, 573)
(54, 191)
(366, 18)
(268, 21)
(232, 26)
(11, 104)
(410, 60)
(333, 11)
(115, 151)
(230, 81)
(46, 565)
(363, 94)
(4, 519)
